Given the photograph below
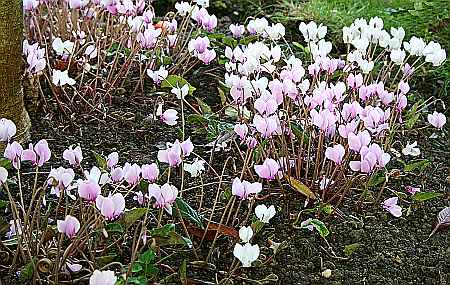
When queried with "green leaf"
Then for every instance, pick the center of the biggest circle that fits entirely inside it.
(151, 270)
(327, 209)
(26, 273)
(163, 231)
(196, 119)
(188, 213)
(417, 164)
(300, 133)
(174, 238)
(140, 280)
(231, 112)
(148, 257)
(137, 267)
(5, 163)
(174, 81)
(230, 42)
(114, 228)
(351, 248)
(412, 115)
(376, 179)
(248, 39)
(320, 227)
(424, 196)
(203, 106)
(131, 217)
(3, 204)
(183, 272)
(101, 161)
(105, 259)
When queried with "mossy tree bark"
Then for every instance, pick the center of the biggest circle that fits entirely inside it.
(12, 67)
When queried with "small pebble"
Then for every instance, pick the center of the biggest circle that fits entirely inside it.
(326, 273)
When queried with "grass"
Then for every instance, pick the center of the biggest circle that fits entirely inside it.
(427, 19)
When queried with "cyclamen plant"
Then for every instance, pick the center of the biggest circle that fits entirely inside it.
(87, 49)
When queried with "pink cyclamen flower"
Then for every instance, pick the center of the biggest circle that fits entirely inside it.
(3, 175)
(39, 155)
(198, 45)
(335, 153)
(112, 160)
(356, 142)
(29, 5)
(353, 81)
(7, 130)
(150, 172)
(60, 179)
(209, 23)
(103, 278)
(117, 174)
(69, 226)
(89, 190)
(207, 56)
(241, 130)
(139, 197)
(412, 190)
(131, 173)
(169, 117)
(267, 126)
(73, 156)
(13, 152)
(391, 206)
(244, 189)
(268, 169)
(165, 196)
(112, 206)
(237, 30)
(174, 153)
(437, 120)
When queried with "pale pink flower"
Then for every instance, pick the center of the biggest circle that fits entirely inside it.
(89, 190)
(131, 173)
(150, 172)
(391, 206)
(241, 130)
(353, 81)
(73, 156)
(267, 126)
(112, 206)
(207, 56)
(3, 175)
(437, 120)
(39, 155)
(268, 170)
(112, 160)
(356, 142)
(237, 30)
(165, 196)
(69, 226)
(117, 174)
(13, 152)
(335, 153)
(169, 117)
(59, 179)
(244, 189)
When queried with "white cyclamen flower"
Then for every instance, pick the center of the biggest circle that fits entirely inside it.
(411, 149)
(264, 214)
(245, 233)
(246, 254)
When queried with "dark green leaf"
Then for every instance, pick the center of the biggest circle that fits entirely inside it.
(299, 133)
(188, 213)
(137, 267)
(183, 272)
(412, 115)
(417, 164)
(248, 39)
(203, 106)
(3, 204)
(5, 163)
(376, 179)
(140, 280)
(132, 216)
(320, 227)
(163, 231)
(26, 273)
(114, 228)
(148, 257)
(424, 196)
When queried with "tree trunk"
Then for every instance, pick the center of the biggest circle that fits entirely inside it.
(12, 67)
